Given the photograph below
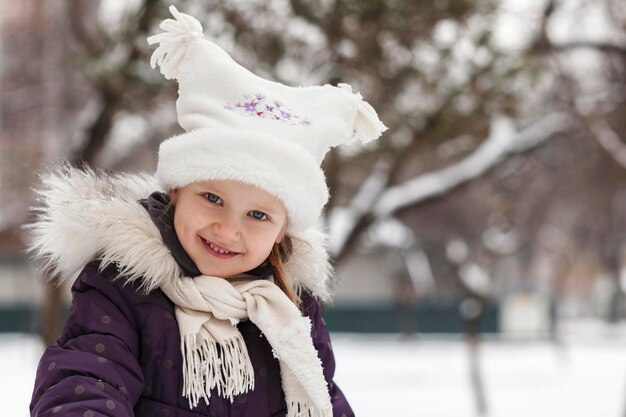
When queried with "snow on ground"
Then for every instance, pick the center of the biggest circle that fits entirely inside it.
(19, 355)
(395, 376)
(431, 378)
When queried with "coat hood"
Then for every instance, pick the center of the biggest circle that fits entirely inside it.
(85, 214)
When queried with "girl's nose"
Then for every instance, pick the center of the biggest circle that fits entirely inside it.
(227, 230)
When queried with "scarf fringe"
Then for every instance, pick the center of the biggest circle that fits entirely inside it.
(307, 409)
(215, 356)
(208, 365)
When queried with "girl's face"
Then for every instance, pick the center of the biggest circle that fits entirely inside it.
(227, 227)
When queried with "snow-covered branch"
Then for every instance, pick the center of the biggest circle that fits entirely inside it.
(373, 199)
(594, 117)
(609, 140)
(503, 140)
(344, 219)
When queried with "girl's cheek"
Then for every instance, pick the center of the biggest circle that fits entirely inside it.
(263, 231)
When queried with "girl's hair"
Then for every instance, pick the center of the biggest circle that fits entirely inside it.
(280, 254)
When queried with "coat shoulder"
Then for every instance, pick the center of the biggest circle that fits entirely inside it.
(310, 304)
(109, 278)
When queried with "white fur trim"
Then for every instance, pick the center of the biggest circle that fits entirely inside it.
(283, 169)
(84, 215)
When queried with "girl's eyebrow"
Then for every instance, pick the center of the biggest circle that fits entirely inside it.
(260, 207)
(211, 188)
(264, 208)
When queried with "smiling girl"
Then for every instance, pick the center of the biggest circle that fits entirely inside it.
(197, 290)
(229, 220)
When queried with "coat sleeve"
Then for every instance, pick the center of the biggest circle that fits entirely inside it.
(93, 369)
(311, 307)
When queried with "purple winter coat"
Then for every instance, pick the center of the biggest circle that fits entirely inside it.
(119, 355)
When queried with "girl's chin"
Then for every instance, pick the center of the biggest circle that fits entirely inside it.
(219, 274)
(218, 269)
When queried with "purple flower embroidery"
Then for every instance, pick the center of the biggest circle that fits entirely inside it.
(256, 105)
(250, 107)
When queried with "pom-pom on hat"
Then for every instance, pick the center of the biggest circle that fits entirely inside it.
(242, 127)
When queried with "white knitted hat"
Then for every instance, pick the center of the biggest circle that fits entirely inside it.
(246, 128)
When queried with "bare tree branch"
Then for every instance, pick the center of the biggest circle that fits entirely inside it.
(76, 10)
(542, 42)
(606, 47)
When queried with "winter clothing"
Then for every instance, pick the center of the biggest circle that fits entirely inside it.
(119, 352)
(214, 352)
(119, 355)
(246, 128)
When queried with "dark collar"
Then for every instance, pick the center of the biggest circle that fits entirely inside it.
(162, 215)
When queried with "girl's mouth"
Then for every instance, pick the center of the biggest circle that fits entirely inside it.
(217, 252)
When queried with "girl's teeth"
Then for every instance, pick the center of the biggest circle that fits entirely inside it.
(218, 250)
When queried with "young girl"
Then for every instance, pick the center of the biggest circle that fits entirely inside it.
(198, 289)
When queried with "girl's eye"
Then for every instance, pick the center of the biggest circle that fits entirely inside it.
(259, 215)
(213, 198)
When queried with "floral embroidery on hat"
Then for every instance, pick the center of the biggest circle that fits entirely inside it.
(257, 105)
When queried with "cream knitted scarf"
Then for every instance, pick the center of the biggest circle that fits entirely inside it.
(214, 352)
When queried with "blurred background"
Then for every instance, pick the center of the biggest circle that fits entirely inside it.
(480, 245)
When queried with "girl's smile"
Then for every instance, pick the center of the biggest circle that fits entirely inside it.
(218, 251)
